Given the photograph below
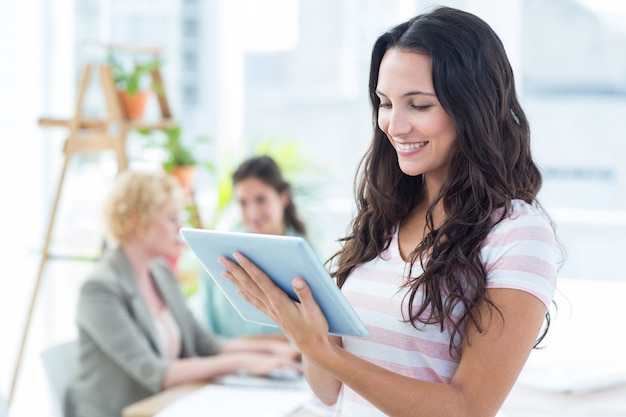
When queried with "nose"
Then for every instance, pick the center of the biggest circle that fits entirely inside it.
(250, 212)
(398, 123)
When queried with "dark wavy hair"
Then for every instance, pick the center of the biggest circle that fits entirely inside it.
(491, 165)
(267, 170)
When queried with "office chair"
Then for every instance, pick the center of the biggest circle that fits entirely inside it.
(60, 363)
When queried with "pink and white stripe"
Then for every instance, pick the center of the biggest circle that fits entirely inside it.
(519, 253)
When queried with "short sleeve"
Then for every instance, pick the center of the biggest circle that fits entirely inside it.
(521, 253)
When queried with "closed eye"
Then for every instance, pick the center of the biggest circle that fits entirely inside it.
(421, 108)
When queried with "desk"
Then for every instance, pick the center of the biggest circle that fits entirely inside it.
(152, 405)
(155, 403)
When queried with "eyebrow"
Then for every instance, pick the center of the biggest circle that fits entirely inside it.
(409, 94)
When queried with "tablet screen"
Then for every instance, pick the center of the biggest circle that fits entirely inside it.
(282, 258)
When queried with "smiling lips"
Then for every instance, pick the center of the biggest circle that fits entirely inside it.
(410, 146)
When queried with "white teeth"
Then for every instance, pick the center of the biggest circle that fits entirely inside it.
(410, 146)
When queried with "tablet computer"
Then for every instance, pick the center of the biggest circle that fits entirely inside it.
(282, 258)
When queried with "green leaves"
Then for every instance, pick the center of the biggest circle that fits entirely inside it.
(176, 152)
(134, 79)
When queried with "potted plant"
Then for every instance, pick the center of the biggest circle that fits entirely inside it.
(179, 159)
(133, 84)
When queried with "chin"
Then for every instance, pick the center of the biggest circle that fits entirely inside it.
(175, 251)
(256, 229)
(410, 169)
(411, 172)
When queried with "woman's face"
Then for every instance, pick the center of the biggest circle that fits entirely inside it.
(418, 127)
(161, 234)
(262, 207)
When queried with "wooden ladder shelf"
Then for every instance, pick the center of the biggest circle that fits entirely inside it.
(89, 135)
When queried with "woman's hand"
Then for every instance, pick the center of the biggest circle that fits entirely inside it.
(284, 349)
(278, 347)
(208, 367)
(259, 364)
(303, 322)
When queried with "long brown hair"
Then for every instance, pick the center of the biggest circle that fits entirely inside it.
(491, 165)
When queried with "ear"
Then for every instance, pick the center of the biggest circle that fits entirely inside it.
(139, 227)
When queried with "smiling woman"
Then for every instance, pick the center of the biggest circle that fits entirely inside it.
(266, 204)
(411, 116)
(265, 198)
(450, 260)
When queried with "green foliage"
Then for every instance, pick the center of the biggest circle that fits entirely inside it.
(188, 289)
(295, 165)
(177, 152)
(286, 153)
(305, 177)
(224, 189)
(133, 79)
(190, 212)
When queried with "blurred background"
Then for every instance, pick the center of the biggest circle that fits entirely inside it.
(290, 75)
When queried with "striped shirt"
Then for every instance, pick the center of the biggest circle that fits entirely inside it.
(519, 253)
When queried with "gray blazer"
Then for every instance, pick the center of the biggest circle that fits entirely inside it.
(119, 362)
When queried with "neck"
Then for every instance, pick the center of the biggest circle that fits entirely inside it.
(432, 186)
(138, 257)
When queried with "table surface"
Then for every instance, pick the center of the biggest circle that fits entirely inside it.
(155, 403)
(152, 405)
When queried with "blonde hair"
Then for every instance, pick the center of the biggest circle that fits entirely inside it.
(135, 199)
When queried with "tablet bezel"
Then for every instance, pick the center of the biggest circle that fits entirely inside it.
(282, 258)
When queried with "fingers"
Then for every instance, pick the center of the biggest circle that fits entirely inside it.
(250, 279)
(247, 288)
(244, 274)
(235, 273)
(246, 264)
(238, 276)
(264, 365)
(256, 274)
(299, 320)
(254, 285)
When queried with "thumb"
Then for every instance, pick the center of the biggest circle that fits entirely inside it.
(312, 312)
(302, 290)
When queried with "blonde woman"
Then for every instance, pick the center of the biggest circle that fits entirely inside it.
(136, 334)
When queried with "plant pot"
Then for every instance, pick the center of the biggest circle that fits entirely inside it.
(134, 106)
(185, 176)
